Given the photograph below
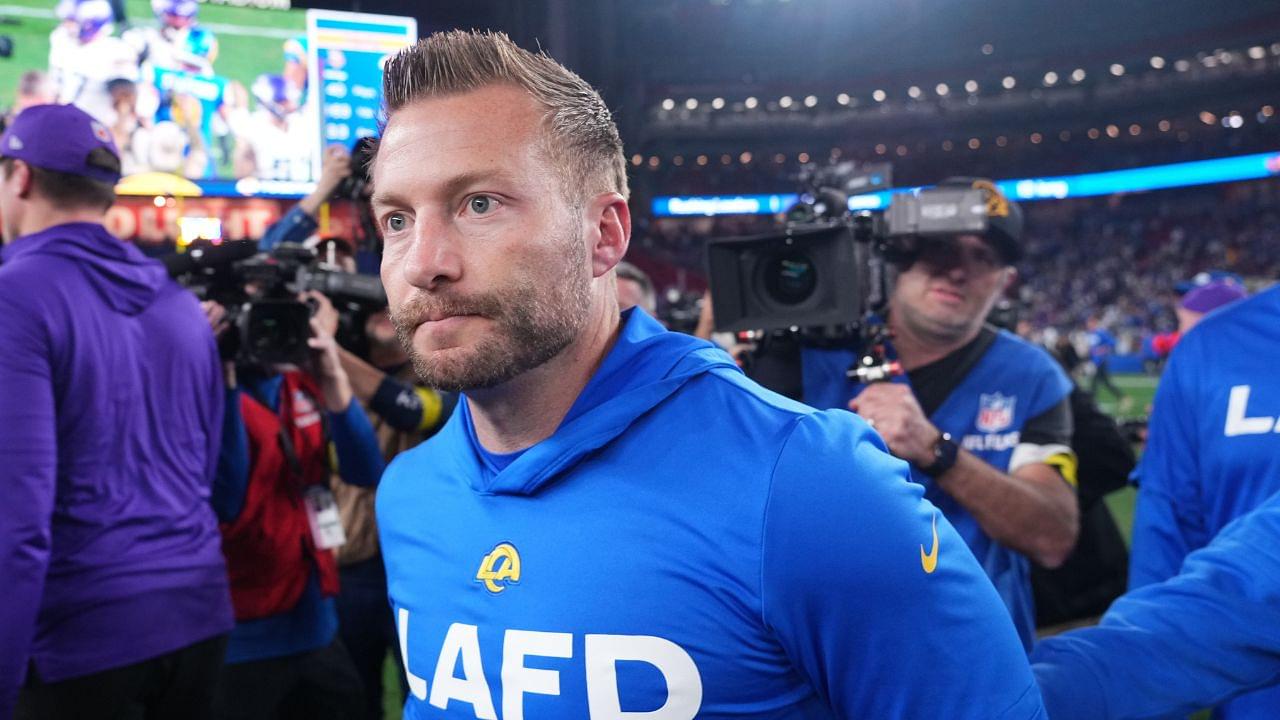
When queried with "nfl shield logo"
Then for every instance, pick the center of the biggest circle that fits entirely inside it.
(995, 412)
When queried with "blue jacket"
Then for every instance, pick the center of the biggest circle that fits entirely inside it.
(110, 415)
(687, 540)
(1213, 451)
(1164, 650)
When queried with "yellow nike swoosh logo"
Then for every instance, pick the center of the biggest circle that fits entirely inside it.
(929, 561)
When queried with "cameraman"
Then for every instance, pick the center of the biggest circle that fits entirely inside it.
(403, 414)
(280, 527)
(302, 219)
(982, 416)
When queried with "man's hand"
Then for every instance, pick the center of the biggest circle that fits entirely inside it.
(335, 168)
(328, 364)
(893, 411)
(216, 314)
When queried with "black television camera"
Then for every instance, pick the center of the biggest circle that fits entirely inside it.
(826, 276)
(269, 325)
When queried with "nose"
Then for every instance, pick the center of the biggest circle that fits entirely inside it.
(433, 259)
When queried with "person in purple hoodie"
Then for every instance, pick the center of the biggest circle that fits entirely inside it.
(116, 601)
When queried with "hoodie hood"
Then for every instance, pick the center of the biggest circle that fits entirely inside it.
(646, 365)
(125, 279)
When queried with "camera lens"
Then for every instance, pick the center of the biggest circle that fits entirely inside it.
(790, 277)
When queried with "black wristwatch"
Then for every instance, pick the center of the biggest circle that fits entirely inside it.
(944, 456)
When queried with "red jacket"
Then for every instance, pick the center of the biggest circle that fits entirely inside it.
(269, 549)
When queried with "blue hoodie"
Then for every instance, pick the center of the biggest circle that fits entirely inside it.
(110, 416)
(1213, 450)
(689, 541)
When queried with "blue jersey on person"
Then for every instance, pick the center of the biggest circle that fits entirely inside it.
(1213, 450)
(208, 91)
(1170, 648)
(686, 543)
(1102, 344)
(985, 414)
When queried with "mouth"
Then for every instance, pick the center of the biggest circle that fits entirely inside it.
(947, 295)
(445, 321)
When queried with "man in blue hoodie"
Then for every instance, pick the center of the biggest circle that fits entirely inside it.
(615, 522)
(116, 601)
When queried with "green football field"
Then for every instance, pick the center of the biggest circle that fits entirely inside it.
(250, 40)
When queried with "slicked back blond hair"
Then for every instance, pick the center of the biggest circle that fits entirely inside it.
(578, 130)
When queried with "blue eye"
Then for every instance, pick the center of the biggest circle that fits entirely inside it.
(396, 223)
(481, 204)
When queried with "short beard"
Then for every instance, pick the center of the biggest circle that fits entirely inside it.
(535, 318)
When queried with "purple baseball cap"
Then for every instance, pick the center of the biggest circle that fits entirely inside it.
(1213, 295)
(59, 138)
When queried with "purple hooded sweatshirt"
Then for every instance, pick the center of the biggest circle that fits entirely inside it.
(111, 406)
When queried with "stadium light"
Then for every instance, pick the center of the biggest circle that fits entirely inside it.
(1157, 62)
(1182, 65)
(668, 104)
(802, 158)
(942, 89)
(1117, 69)
(914, 92)
(785, 102)
(1036, 138)
(1164, 125)
(702, 160)
(717, 103)
(971, 86)
(677, 160)
(750, 103)
(1051, 78)
(1009, 82)
(974, 143)
(988, 48)
(744, 158)
(1077, 75)
(811, 101)
(1002, 141)
(1135, 129)
(1208, 118)
(947, 145)
(691, 103)
(1113, 131)
(637, 159)
(878, 96)
(881, 149)
(843, 98)
(1257, 52)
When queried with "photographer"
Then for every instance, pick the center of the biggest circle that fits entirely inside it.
(403, 414)
(280, 527)
(982, 416)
